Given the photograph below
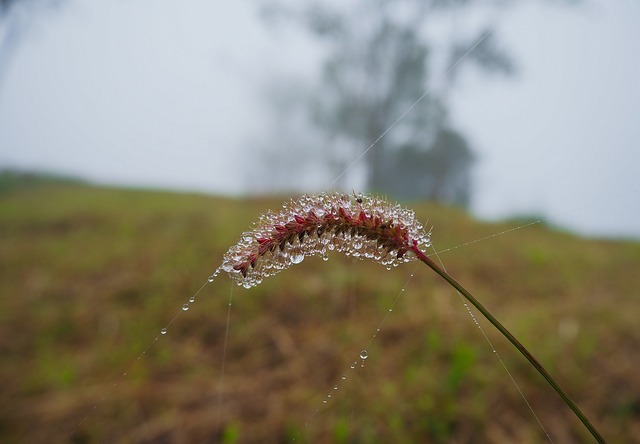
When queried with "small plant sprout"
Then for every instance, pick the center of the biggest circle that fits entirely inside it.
(360, 226)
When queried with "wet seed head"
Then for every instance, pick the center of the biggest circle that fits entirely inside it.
(361, 226)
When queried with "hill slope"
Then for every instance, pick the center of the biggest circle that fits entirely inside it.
(90, 275)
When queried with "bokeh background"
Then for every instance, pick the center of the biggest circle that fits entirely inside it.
(253, 96)
(139, 139)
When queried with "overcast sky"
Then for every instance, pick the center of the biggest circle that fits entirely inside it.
(170, 94)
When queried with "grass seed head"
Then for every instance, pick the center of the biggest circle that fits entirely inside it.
(360, 226)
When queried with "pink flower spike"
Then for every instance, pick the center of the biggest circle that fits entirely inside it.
(315, 224)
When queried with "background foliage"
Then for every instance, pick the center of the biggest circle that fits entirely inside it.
(89, 275)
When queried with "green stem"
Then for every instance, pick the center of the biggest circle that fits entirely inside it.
(572, 405)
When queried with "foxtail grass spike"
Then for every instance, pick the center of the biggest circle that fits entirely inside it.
(365, 227)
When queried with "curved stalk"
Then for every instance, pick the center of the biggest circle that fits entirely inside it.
(521, 348)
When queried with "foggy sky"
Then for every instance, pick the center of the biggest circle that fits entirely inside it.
(171, 95)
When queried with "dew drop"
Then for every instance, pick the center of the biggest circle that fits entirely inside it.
(192, 299)
(335, 387)
(296, 258)
(324, 401)
(211, 278)
(353, 366)
(329, 395)
(364, 354)
(185, 307)
(163, 331)
(344, 376)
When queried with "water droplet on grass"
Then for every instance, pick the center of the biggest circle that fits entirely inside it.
(163, 331)
(192, 299)
(364, 354)
(185, 307)
(296, 258)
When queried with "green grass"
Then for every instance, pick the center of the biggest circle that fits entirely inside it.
(89, 276)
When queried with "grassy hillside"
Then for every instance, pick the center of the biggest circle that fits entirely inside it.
(90, 275)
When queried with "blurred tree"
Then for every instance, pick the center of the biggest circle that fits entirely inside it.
(380, 60)
(381, 57)
(16, 17)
